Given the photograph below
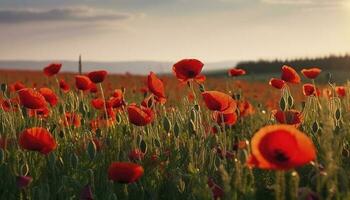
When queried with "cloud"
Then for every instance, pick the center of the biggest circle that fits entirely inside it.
(307, 2)
(70, 14)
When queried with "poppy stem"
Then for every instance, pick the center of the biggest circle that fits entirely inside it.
(280, 185)
(104, 101)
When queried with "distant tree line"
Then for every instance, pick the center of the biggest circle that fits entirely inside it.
(328, 63)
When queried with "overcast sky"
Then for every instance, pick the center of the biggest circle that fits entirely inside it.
(168, 30)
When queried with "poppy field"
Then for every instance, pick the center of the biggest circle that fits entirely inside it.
(177, 136)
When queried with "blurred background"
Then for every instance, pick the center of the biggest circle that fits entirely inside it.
(137, 36)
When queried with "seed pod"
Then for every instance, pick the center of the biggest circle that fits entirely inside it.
(315, 127)
(283, 104)
(167, 124)
(337, 114)
(143, 146)
(176, 129)
(201, 88)
(74, 160)
(157, 143)
(193, 115)
(3, 87)
(91, 150)
(290, 101)
(192, 127)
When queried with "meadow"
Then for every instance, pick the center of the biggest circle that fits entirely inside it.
(182, 136)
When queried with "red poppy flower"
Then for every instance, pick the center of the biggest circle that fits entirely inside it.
(125, 172)
(93, 88)
(281, 147)
(341, 91)
(23, 181)
(82, 82)
(49, 96)
(290, 75)
(311, 73)
(140, 116)
(309, 89)
(236, 72)
(136, 155)
(5, 105)
(18, 85)
(3, 143)
(277, 83)
(64, 86)
(98, 103)
(155, 85)
(97, 76)
(52, 69)
(217, 191)
(41, 113)
(71, 119)
(291, 117)
(37, 139)
(245, 108)
(118, 93)
(218, 101)
(115, 102)
(227, 117)
(189, 69)
(31, 99)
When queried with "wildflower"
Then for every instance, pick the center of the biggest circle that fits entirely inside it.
(189, 69)
(280, 147)
(125, 172)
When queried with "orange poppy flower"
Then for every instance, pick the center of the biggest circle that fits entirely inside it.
(281, 147)
(71, 119)
(97, 76)
(245, 108)
(49, 96)
(309, 89)
(236, 72)
(98, 103)
(52, 69)
(290, 75)
(140, 116)
(341, 91)
(189, 69)
(311, 73)
(291, 117)
(64, 86)
(277, 83)
(218, 101)
(37, 139)
(31, 99)
(125, 172)
(155, 85)
(82, 82)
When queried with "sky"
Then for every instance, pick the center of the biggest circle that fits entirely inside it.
(169, 30)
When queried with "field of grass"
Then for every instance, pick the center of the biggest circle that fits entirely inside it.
(172, 137)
